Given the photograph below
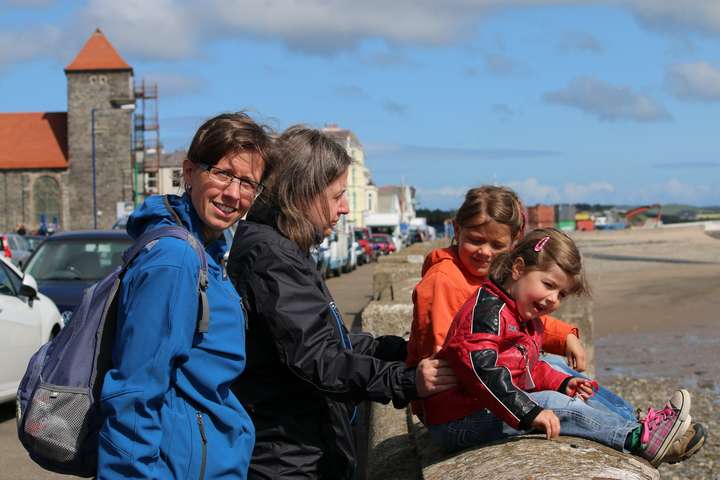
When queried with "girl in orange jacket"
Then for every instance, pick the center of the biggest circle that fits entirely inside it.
(490, 221)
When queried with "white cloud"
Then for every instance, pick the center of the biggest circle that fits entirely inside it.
(171, 84)
(579, 41)
(161, 29)
(694, 81)
(574, 192)
(608, 102)
(395, 107)
(28, 44)
(669, 15)
(675, 191)
(531, 191)
(173, 29)
(454, 192)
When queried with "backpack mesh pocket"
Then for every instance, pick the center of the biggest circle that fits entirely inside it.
(56, 422)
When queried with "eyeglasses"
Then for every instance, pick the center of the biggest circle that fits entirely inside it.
(225, 178)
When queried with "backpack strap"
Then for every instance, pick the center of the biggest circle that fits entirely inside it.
(182, 233)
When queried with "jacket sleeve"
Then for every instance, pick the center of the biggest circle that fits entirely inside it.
(555, 334)
(472, 349)
(547, 378)
(385, 347)
(308, 336)
(436, 300)
(156, 324)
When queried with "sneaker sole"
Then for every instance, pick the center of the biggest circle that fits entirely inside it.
(700, 436)
(678, 429)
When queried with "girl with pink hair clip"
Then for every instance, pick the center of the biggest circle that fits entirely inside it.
(493, 346)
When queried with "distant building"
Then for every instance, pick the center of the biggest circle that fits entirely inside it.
(397, 198)
(167, 178)
(46, 158)
(361, 192)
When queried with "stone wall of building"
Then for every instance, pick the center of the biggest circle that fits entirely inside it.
(113, 134)
(21, 199)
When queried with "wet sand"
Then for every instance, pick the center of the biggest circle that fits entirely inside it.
(656, 301)
(656, 309)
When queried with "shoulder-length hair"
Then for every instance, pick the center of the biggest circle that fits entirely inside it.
(307, 161)
(540, 250)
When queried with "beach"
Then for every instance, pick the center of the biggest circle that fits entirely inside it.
(656, 299)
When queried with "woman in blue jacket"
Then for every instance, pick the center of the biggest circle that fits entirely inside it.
(168, 408)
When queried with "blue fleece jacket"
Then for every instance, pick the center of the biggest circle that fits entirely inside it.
(168, 408)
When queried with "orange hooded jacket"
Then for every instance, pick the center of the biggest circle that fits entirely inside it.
(445, 286)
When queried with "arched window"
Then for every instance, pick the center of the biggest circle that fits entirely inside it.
(46, 199)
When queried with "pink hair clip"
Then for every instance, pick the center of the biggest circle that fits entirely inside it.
(541, 244)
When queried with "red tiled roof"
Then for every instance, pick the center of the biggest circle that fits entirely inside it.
(33, 140)
(97, 54)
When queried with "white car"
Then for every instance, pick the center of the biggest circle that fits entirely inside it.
(28, 319)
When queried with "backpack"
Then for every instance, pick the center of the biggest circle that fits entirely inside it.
(58, 400)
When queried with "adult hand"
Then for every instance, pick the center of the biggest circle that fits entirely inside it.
(547, 422)
(581, 387)
(434, 375)
(575, 353)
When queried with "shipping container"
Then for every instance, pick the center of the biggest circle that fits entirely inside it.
(584, 225)
(541, 216)
(582, 216)
(565, 211)
(566, 225)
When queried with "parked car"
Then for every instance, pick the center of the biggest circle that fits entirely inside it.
(66, 263)
(15, 248)
(362, 236)
(383, 243)
(28, 319)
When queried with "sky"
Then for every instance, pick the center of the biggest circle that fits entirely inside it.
(605, 101)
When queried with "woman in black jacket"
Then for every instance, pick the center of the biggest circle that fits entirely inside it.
(305, 373)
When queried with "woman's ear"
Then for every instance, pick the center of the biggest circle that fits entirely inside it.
(187, 170)
(518, 268)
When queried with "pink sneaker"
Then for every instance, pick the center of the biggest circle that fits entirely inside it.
(661, 428)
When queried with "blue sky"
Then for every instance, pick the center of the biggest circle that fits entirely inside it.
(606, 101)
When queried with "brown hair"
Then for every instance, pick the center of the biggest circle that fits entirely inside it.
(230, 133)
(558, 249)
(500, 204)
(308, 161)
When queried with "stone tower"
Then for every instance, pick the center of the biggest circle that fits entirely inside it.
(100, 100)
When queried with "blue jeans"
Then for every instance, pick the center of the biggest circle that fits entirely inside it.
(603, 398)
(577, 419)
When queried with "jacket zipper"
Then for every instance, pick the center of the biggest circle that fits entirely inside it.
(204, 444)
(348, 345)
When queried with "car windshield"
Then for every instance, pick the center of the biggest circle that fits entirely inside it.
(378, 238)
(77, 259)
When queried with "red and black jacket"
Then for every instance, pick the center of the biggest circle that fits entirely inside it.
(495, 356)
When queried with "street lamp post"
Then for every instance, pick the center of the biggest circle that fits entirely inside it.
(124, 104)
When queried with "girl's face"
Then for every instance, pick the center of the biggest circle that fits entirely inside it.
(336, 200)
(219, 205)
(479, 242)
(538, 292)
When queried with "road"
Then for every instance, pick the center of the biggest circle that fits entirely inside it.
(352, 292)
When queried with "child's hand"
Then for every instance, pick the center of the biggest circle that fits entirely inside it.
(547, 422)
(582, 387)
(575, 353)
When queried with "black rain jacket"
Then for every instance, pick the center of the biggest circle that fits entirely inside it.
(305, 374)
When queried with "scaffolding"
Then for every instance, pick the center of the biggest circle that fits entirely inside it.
(147, 146)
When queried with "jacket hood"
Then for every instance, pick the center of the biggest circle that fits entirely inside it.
(153, 213)
(440, 255)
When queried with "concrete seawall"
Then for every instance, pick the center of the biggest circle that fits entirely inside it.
(399, 446)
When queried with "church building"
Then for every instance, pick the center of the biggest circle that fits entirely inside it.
(72, 168)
